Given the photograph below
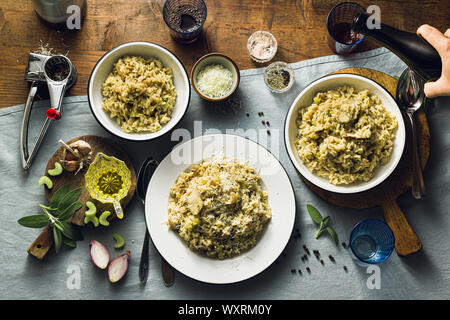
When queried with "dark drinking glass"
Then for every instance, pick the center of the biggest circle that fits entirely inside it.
(185, 19)
(341, 38)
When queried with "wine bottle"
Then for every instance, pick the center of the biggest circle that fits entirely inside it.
(415, 51)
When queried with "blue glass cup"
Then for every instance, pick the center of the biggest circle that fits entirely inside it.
(341, 39)
(185, 19)
(371, 242)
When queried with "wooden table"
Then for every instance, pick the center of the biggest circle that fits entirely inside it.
(299, 27)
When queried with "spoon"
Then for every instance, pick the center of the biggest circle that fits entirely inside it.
(410, 96)
(145, 172)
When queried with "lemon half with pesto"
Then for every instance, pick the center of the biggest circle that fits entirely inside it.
(108, 180)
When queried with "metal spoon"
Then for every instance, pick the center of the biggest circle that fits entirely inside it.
(144, 175)
(410, 96)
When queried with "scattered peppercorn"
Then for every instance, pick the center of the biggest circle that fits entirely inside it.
(263, 122)
(331, 258)
(299, 272)
(268, 132)
(292, 270)
(321, 261)
(345, 268)
(308, 269)
(247, 114)
(268, 123)
(344, 244)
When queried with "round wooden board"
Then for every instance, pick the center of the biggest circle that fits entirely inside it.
(44, 241)
(397, 183)
(98, 144)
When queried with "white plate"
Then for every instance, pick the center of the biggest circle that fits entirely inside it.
(326, 83)
(274, 237)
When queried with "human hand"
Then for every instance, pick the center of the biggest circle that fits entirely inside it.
(441, 42)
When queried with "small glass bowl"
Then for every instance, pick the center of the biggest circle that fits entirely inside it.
(277, 67)
(251, 45)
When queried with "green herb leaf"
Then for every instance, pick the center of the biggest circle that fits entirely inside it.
(64, 214)
(34, 221)
(69, 242)
(57, 237)
(70, 232)
(69, 198)
(314, 213)
(333, 234)
(58, 195)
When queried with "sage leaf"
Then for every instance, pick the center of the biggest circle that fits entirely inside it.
(64, 214)
(69, 198)
(333, 235)
(58, 195)
(325, 221)
(57, 237)
(70, 232)
(68, 242)
(34, 221)
(314, 213)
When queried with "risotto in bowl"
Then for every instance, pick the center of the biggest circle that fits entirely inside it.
(138, 91)
(345, 133)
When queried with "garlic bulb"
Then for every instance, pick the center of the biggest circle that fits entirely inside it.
(76, 155)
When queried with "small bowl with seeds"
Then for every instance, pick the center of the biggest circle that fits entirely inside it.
(279, 77)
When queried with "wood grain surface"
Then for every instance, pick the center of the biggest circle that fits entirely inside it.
(299, 27)
(42, 244)
(386, 193)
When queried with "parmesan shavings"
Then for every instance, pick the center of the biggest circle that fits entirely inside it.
(214, 80)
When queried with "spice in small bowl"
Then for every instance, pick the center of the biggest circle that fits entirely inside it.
(279, 77)
(262, 46)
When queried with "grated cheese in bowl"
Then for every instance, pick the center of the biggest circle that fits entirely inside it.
(214, 80)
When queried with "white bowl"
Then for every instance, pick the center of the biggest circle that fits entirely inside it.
(305, 98)
(146, 50)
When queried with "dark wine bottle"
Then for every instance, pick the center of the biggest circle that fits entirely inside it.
(415, 51)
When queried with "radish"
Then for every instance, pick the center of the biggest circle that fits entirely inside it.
(99, 254)
(118, 267)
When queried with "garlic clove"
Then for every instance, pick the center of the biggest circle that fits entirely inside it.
(70, 165)
(82, 146)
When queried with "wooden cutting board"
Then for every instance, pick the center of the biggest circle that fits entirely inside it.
(42, 244)
(385, 194)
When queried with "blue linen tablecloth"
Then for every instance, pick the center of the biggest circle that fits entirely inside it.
(424, 275)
